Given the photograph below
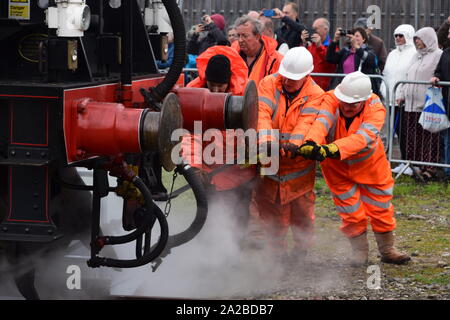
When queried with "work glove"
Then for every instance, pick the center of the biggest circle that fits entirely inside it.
(289, 150)
(331, 150)
(312, 151)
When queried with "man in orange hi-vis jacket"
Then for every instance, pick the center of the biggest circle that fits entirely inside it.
(258, 51)
(286, 199)
(356, 169)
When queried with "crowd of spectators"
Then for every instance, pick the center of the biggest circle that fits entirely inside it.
(419, 55)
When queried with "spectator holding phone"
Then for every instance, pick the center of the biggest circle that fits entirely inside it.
(358, 56)
(291, 30)
(317, 41)
(207, 34)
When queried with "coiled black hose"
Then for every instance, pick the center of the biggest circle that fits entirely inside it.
(156, 250)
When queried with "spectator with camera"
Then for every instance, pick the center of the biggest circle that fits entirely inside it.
(357, 56)
(317, 41)
(291, 29)
(207, 34)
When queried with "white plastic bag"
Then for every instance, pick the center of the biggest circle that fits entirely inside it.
(434, 117)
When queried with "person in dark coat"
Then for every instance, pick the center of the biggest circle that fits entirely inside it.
(358, 56)
(442, 73)
(209, 33)
(376, 43)
(292, 29)
(442, 34)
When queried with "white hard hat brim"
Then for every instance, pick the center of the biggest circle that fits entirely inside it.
(347, 99)
(294, 76)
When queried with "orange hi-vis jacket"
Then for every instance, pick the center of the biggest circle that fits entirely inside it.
(268, 61)
(239, 70)
(361, 180)
(362, 155)
(293, 120)
(234, 175)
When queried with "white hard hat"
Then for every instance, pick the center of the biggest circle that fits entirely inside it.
(355, 87)
(296, 64)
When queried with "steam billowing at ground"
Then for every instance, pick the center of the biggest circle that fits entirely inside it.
(212, 265)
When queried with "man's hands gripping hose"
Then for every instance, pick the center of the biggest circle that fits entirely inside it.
(313, 151)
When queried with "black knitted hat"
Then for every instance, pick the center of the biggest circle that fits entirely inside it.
(218, 69)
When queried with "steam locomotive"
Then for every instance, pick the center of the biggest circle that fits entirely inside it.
(80, 88)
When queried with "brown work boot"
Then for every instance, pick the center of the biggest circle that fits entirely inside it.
(389, 253)
(360, 247)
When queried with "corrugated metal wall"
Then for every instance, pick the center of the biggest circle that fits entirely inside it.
(393, 12)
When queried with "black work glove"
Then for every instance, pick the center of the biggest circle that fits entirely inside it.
(312, 151)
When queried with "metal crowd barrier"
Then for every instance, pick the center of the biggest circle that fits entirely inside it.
(409, 163)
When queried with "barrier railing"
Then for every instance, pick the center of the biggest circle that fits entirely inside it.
(410, 163)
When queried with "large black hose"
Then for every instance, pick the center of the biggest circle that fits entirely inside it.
(159, 92)
(192, 177)
(152, 254)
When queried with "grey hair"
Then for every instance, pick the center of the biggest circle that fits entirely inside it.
(257, 26)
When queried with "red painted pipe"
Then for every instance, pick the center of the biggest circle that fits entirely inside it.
(198, 104)
(106, 128)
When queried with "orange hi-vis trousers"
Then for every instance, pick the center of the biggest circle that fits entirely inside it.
(356, 203)
(297, 214)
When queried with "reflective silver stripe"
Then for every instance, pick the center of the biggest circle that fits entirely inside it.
(285, 136)
(327, 114)
(367, 148)
(268, 132)
(292, 175)
(378, 192)
(268, 102)
(383, 205)
(348, 209)
(297, 137)
(324, 122)
(350, 162)
(277, 100)
(374, 101)
(309, 111)
(347, 195)
(363, 133)
(369, 127)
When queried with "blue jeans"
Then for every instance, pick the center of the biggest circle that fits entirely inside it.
(446, 134)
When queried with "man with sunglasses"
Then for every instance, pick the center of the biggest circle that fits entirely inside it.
(397, 64)
(356, 168)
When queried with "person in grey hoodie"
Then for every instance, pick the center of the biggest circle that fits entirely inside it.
(421, 145)
(397, 64)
